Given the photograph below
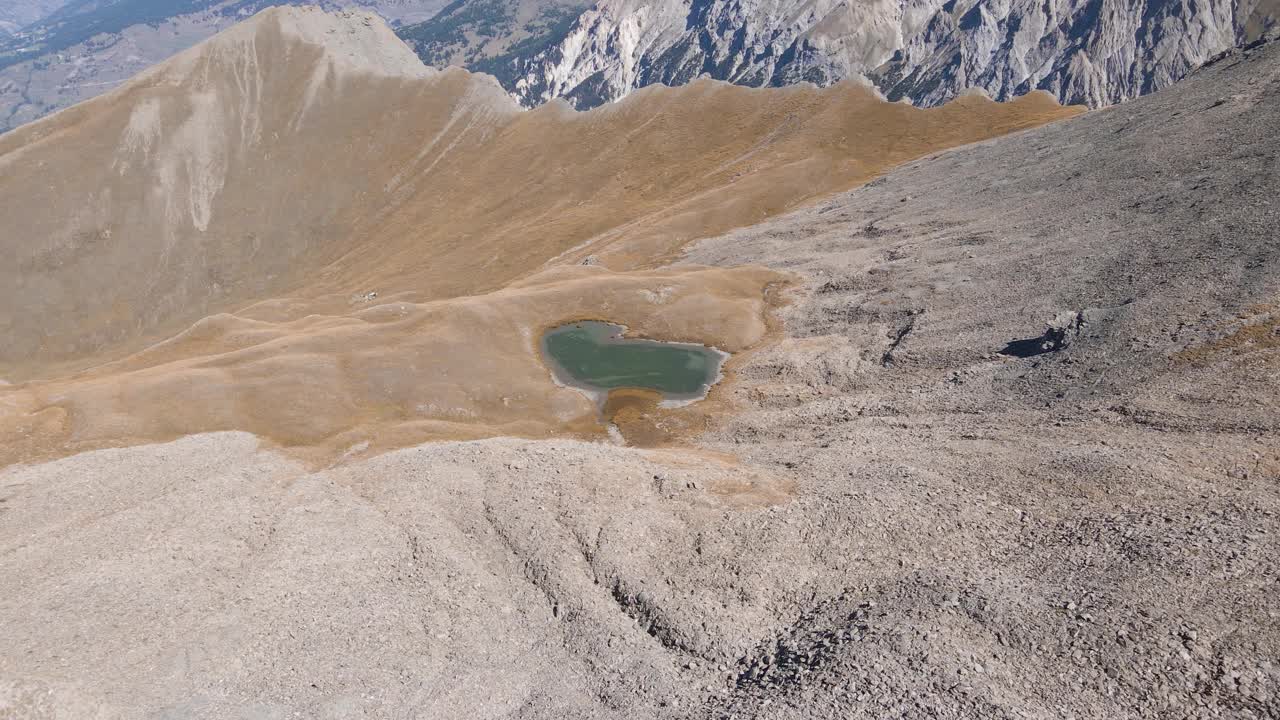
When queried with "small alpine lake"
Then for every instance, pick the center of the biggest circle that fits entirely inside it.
(595, 357)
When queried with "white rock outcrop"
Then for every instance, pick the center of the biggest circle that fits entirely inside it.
(1096, 52)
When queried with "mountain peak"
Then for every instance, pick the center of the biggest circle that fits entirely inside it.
(351, 42)
(357, 40)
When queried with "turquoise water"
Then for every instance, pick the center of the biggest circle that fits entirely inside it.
(594, 356)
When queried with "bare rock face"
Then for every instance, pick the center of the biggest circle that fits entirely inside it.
(622, 44)
(1096, 52)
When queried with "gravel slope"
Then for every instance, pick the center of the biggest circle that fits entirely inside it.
(1089, 531)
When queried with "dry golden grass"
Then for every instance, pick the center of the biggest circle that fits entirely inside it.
(1257, 332)
(200, 249)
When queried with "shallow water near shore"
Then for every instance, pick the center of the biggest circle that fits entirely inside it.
(595, 357)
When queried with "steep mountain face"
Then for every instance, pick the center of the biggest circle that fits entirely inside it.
(1095, 52)
(75, 50)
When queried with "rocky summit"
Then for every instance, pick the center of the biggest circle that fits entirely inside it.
(992, 431)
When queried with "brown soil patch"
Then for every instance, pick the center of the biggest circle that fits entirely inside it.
(1258, 331)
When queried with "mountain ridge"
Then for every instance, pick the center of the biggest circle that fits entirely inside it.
(1094, 52)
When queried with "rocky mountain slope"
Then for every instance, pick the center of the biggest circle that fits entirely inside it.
(1093, 52)
(998, 437)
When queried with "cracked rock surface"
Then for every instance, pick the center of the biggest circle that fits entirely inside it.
(1095, 52)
